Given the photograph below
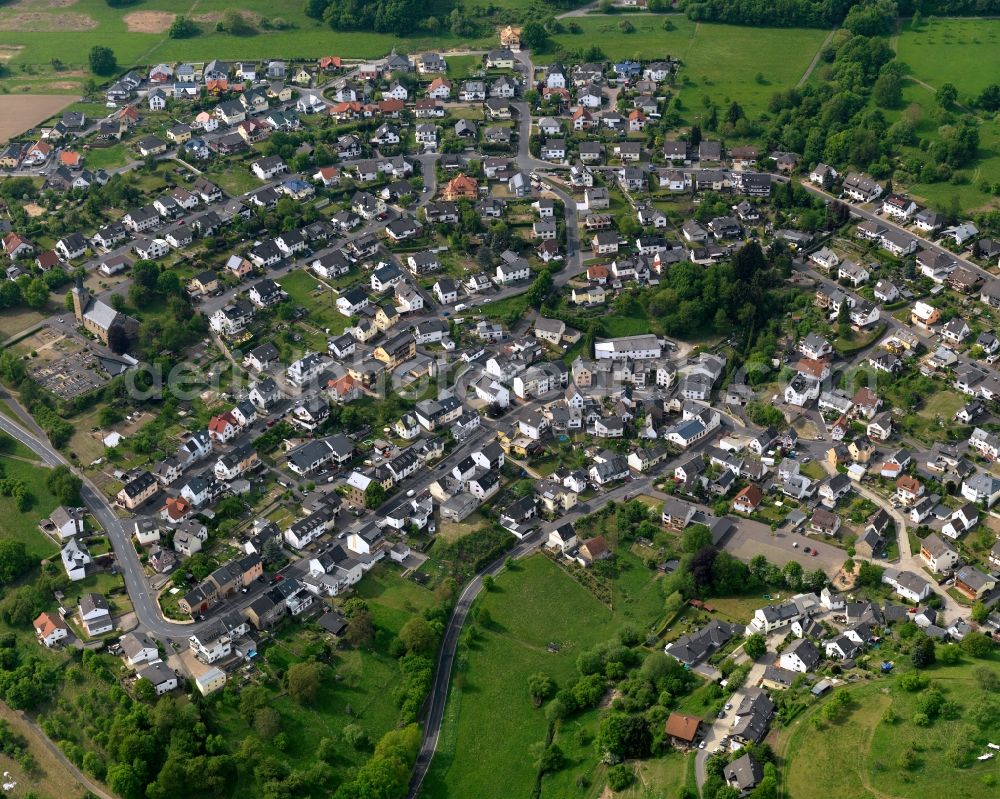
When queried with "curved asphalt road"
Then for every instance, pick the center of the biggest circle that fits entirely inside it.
(146, 608)
(446, 659)
(438, 698)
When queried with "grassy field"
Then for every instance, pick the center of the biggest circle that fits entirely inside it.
(452, 531)
(866, 755)
(52, 777)
(33, 36)
(963, 52)
(106, 157)
(532, 606)
(19, 463)
(720, 61)
(834, 754)
(16, 320)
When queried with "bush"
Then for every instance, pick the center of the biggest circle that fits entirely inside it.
(182, 28)
(355, 736)
(620, 777)
(976, 644)
(102, 60)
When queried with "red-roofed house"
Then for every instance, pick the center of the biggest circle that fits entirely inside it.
(343, 389)
(391, 107)
(909, 489)
(592, 550)
(175, 510)
(222, 427)
(598, 274)
(14, 244)
(129, 114)
(440, 89)
(866, 402)
(682, 729)
(71, 158)
(344, 111)
(328, 175)
(50, 629)
(461, 187)
(47, 260)
(748, 500)
(636, 121)
(582, 119)
(37, 153)
(820, 370)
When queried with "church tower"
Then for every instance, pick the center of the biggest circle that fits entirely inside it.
(81, 299)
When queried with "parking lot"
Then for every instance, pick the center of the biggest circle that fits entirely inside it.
(751, 538)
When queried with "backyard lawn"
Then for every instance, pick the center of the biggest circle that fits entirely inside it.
(944, 404)
(309, 293)
(542, 620)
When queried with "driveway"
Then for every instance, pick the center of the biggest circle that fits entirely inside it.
(720, 728)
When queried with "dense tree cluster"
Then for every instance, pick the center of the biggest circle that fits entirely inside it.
(25, 679)
(860, 16)
(172, 332)
(833, 122)
(785, 13)
(744, 294)
(872, 18)
(102, 60)
(383, 16)
(647, 686)
(182, 28)
(14, 560)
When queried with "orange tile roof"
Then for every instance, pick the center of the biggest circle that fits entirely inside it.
(341, 385)
(219, 423)
(46, 623)
(682, 726)
(177, 507)
(461, 186)
(810, 366)
(752, 494)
